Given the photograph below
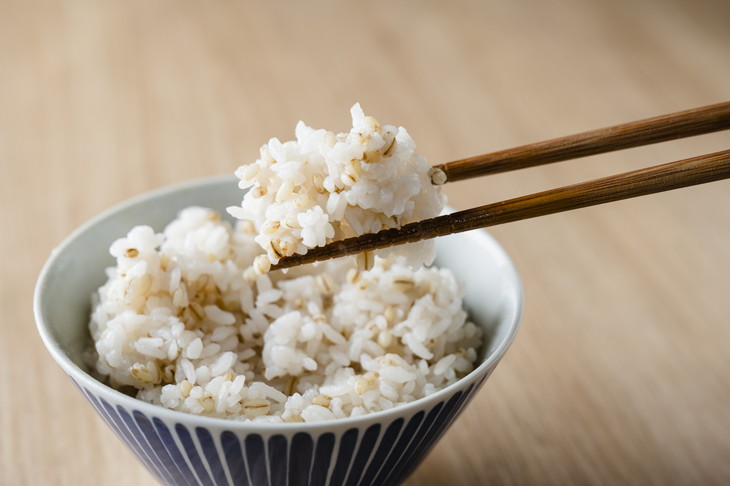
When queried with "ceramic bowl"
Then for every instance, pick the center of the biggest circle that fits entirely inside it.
(182, 449)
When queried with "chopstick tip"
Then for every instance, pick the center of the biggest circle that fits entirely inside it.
(437, 175)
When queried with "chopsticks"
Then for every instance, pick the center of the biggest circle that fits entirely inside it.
(660, 178)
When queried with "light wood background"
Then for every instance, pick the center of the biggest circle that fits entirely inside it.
(621, 372)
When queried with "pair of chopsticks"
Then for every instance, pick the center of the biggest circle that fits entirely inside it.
(659, 178)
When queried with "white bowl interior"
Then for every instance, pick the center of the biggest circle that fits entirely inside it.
(76, 269)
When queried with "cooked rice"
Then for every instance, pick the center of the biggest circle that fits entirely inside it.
(324, 187)
(177, 323)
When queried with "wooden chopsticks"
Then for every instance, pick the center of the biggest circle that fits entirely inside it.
(660, 178)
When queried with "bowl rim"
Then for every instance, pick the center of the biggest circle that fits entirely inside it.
(85, 380)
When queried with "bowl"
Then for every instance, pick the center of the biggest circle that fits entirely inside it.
(379, 448)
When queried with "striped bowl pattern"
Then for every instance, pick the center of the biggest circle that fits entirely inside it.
(381, 448)
(379, 453)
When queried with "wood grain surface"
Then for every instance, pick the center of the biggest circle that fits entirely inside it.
(621, 372)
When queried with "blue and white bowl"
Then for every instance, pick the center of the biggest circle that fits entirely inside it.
(182, 449)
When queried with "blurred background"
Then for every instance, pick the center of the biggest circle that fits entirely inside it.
(620, 372)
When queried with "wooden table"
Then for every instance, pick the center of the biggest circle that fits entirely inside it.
(620, 374)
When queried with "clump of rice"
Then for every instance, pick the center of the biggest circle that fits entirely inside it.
(322, 187)
(177, 324)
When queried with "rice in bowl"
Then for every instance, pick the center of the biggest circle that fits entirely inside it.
(190, 318)
(176, 325)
